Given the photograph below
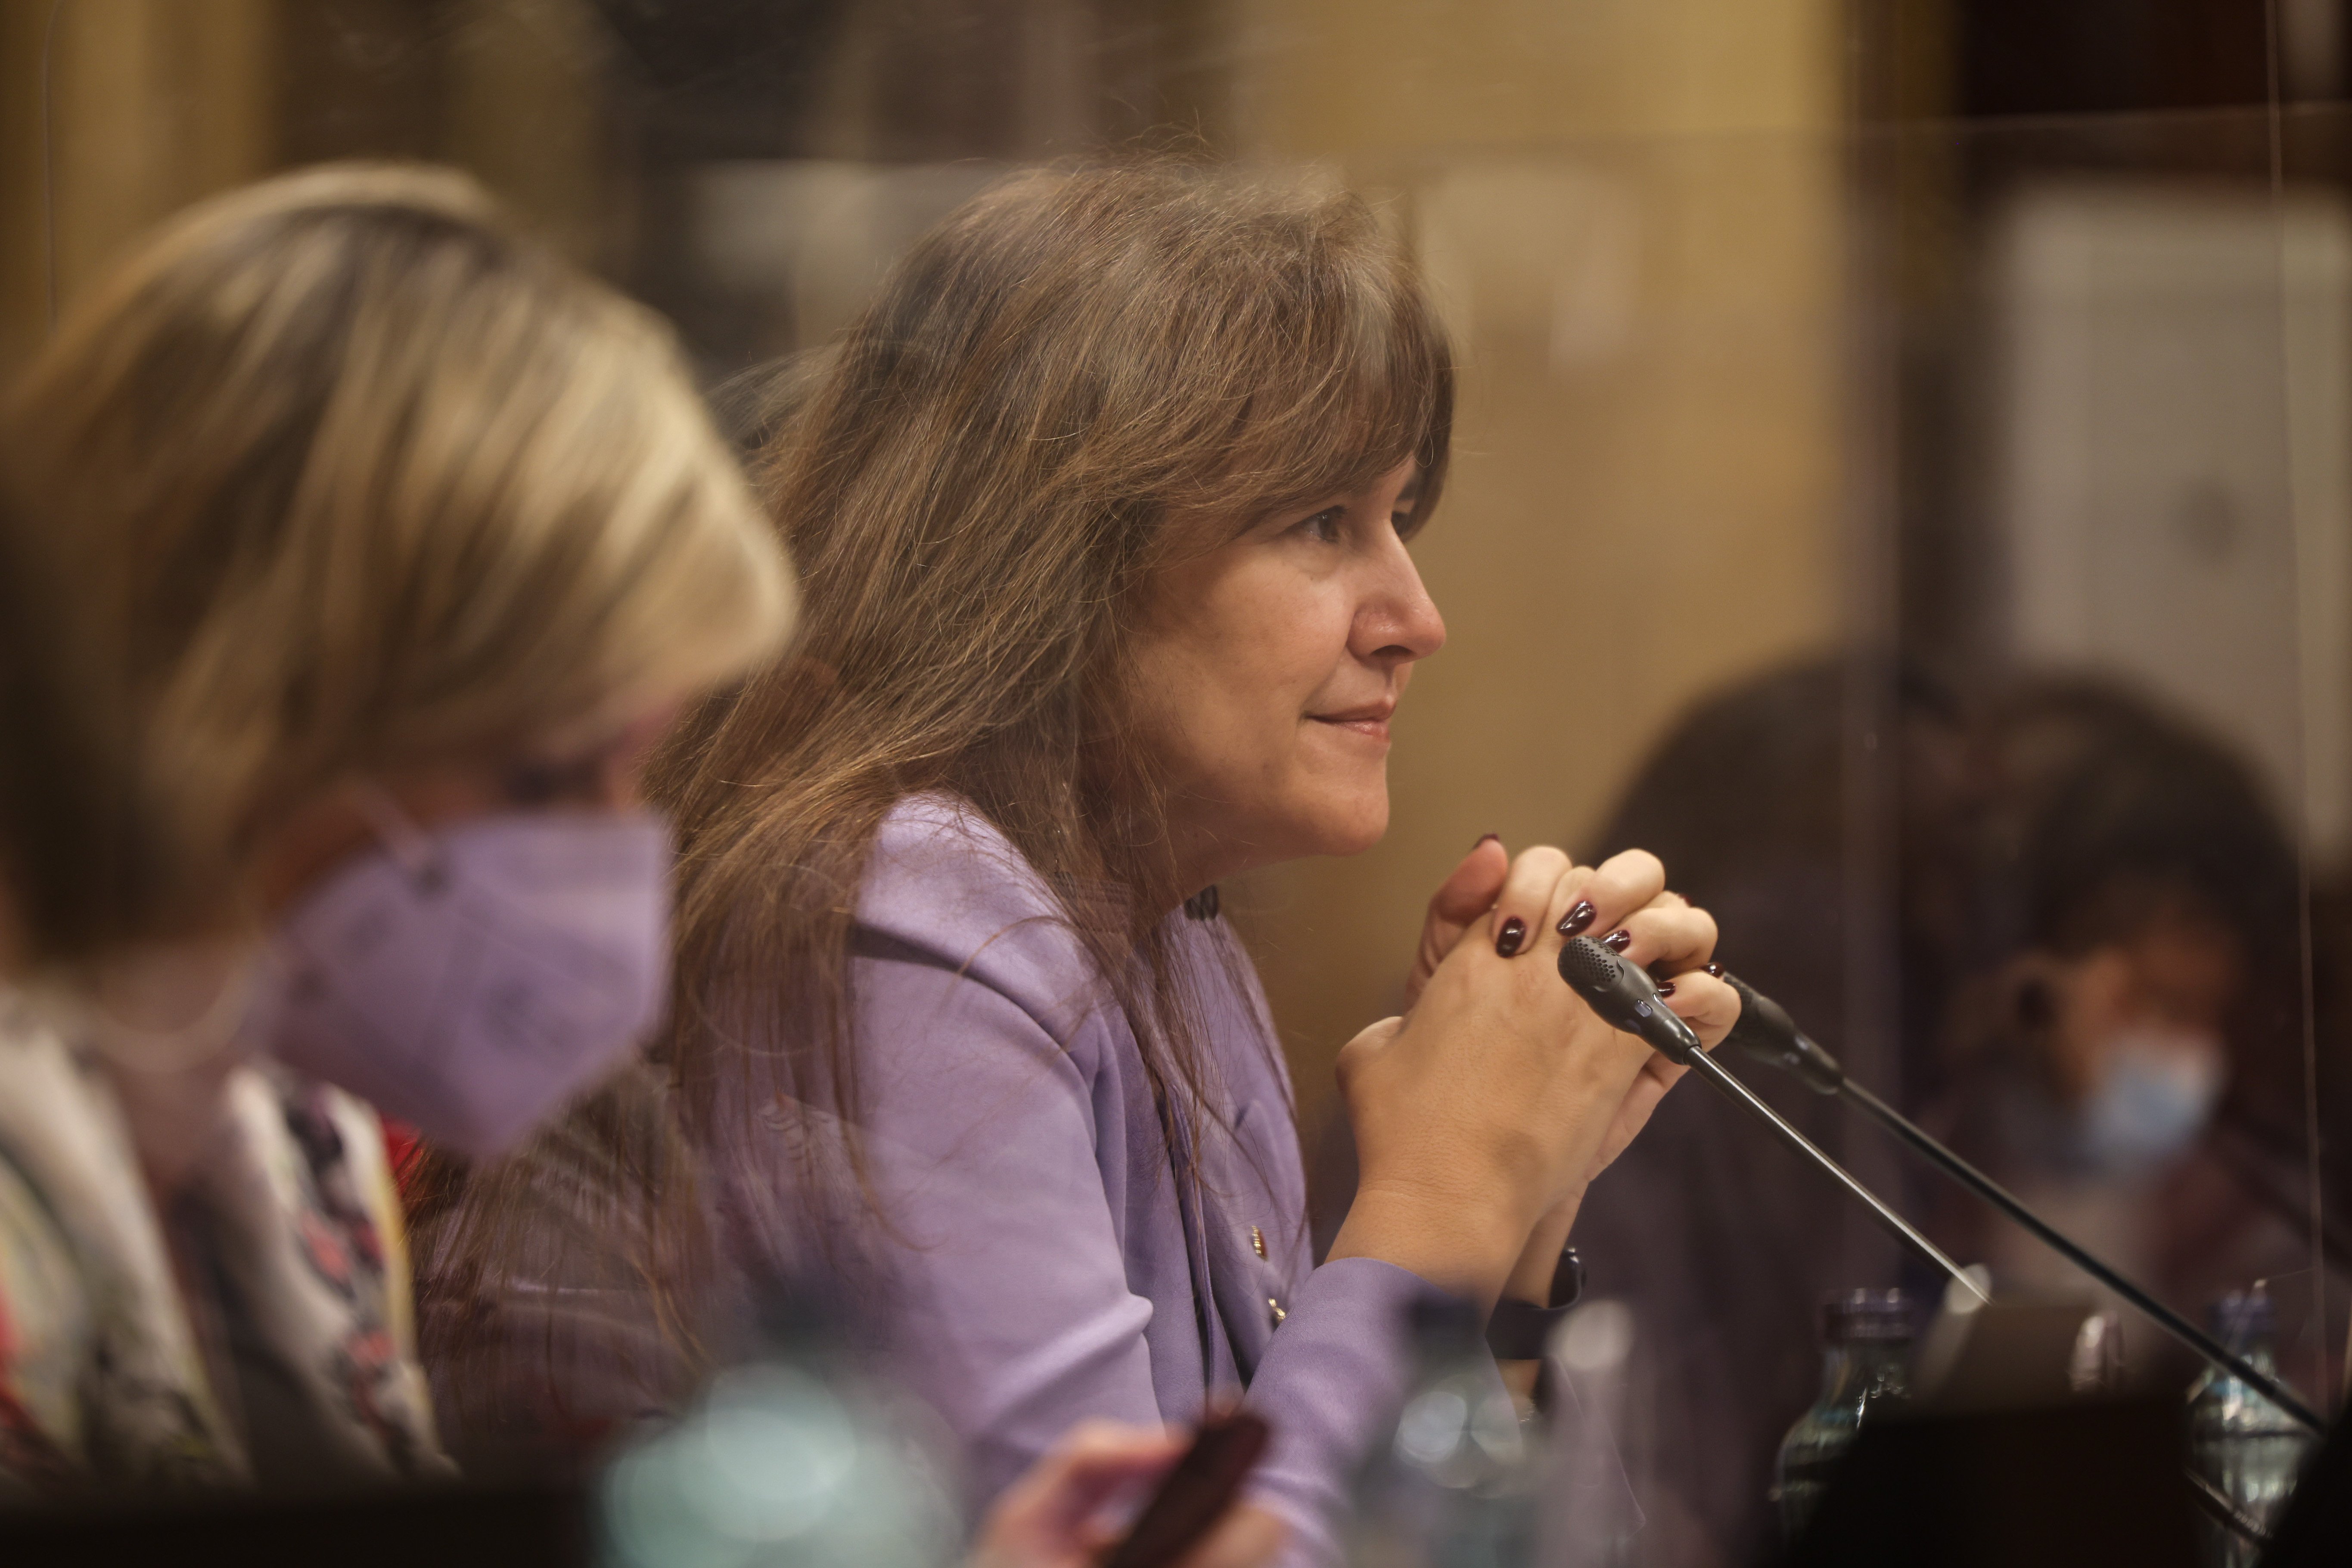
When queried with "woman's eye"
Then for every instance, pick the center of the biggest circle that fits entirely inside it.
(1325, 524)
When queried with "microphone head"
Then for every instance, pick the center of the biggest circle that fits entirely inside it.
(1624, 997)
(1590, 967)
(1611, 986)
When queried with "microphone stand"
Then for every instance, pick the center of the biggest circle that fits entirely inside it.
(1766, 1032)
(1721, 1077)
(1625, 996)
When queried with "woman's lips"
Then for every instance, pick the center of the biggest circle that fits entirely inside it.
(1373, 723)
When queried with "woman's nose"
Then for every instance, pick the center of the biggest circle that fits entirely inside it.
(1399, 620)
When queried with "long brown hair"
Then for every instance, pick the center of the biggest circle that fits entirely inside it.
(1077, 378)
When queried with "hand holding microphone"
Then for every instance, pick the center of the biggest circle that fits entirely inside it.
(1482, 1114)
(1624, 904)
(1493, 934)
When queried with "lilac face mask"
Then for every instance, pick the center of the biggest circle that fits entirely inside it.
(471, 981)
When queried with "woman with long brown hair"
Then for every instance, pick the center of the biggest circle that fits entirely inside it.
(1103, 507)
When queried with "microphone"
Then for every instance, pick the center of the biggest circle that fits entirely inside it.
(1626, 998)
(1767, 1033)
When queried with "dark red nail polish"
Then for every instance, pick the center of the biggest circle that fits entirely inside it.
(1715, 969)
(1618, 940)
(1573, 922)
(1665, 987)
(1515, 932)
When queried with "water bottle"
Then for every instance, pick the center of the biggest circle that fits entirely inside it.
(1866, 1348)
(1457, 1482)
(2241, 1442)
(1591, 1517)
(795, 1460)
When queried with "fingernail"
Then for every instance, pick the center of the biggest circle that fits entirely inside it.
(1573, 922)
(1665, 987)
(1618, 940)
(1715, 969)
(1483, 837)
(1515, 932)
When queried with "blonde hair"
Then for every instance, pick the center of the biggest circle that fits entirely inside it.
(348, 474)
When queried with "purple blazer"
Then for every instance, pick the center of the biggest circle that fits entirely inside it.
(1046, 1265)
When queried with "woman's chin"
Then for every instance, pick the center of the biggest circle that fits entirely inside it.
(1352, 825)
(1304, 824)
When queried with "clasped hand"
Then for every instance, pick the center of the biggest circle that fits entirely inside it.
(1483, 1113)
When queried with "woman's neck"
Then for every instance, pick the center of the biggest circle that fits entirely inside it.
(1208, 846)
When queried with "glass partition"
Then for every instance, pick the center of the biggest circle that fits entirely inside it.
(1931, 534)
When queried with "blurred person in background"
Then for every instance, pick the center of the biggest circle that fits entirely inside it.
(1106, 504)
(2100, 1002)
(1723, 1244)
(2123, 1047)
(398, 542)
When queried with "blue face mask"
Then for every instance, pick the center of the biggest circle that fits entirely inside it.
(2154, 1095)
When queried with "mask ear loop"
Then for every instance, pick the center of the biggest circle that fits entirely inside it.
(412, 850)
(166, 1051)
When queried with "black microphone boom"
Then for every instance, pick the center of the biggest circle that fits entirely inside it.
(1766, 1032)
(1627, 998)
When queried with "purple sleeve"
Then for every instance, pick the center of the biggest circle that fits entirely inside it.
(1011, 1310)
(1013, 1313)
(1331, 1381)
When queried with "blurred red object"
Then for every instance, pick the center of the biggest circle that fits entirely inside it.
(403, 1150)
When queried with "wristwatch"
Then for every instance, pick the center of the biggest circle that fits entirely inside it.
(1518, 1329)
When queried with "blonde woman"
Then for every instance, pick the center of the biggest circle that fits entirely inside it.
(398, 542)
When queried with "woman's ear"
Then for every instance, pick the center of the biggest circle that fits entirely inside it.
(2056, 1011)
(2001, 1016)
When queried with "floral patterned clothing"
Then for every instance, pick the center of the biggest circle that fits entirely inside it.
(286, 1360)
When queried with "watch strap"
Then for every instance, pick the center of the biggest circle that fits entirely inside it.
(1518, 1329)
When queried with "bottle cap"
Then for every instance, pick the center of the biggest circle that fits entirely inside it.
(1873, 1317)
